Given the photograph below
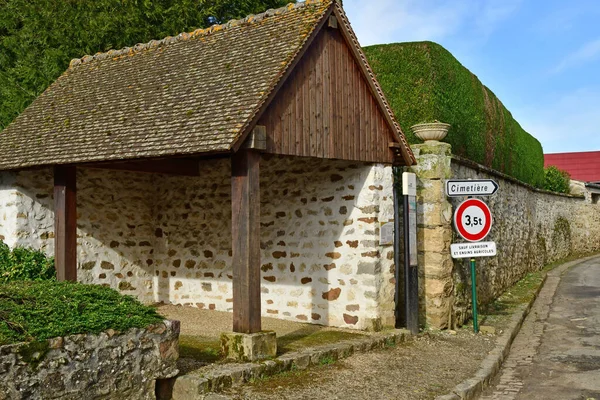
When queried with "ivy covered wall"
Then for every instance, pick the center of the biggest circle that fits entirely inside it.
(424, 82)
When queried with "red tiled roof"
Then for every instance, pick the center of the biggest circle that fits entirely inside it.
(583, 166)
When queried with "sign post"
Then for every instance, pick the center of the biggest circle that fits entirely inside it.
(473, 221)
(411, 273)
(474, 295)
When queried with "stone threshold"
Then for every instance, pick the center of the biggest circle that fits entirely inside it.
(473, 387)
(217, 377)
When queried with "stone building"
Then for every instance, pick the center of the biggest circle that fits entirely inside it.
(139, 169)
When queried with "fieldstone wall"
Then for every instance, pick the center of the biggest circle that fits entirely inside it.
(115, 225)
(8, 208)
(434, 233)
(110, 365)
(168, 238)
(321, 258)
(531, 229)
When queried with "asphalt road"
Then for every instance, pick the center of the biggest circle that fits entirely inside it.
(556, 355)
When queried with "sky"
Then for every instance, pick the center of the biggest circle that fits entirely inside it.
(540, 57)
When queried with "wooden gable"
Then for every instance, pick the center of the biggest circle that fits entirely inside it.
(326, 108)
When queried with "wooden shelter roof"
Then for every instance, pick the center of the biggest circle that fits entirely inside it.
(196, 93)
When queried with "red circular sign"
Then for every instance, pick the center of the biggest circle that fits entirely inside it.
(473, 220)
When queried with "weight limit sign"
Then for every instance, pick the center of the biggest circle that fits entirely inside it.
(473, 220)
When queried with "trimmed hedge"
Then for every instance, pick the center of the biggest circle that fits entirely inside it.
(424, 82)
(33, 311)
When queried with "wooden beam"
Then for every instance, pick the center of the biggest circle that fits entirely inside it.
(245, 227)
(65, 223)
(332, 23)
(257, 139)
(185, 167)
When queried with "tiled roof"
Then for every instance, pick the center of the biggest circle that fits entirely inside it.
(190, 94)
(583, 166)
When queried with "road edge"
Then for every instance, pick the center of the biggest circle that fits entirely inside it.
(472, 387)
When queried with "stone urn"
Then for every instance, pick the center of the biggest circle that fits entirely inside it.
(433, 131)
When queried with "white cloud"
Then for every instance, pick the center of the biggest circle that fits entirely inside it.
(384, 21)
(588, 52)
(491, 13)
(570, 123)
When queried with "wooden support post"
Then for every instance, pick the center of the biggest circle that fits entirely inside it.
(65, 223)
(245, 226)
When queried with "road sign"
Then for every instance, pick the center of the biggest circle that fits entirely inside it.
(473, 220)
(470, 187)
(468, 250)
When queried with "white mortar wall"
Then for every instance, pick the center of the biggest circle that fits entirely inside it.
(114, 225)
(168, 238)
(8, 208)
(321, 259)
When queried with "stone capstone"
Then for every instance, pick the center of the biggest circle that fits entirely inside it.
(249, 346)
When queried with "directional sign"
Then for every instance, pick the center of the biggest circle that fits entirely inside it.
(470, 187)
(469, 250)
(473, 220)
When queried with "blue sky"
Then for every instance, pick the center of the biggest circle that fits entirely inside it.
(541, 58)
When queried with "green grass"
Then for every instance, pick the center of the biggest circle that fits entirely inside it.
(34, 311)
(498, 312)
(201, 348)
(310, 337)
(424, 82)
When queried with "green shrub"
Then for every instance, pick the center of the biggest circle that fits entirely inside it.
(22, 264)
(557, 180)
(424, 82)
(33, 311)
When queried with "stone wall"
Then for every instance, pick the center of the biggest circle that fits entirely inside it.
(115, 225)
(321, 258)
(531, 229)
(168, 238)
(110, 365)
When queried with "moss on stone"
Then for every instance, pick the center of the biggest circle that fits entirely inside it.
(33, 353)
(200, 348)
(305, 338)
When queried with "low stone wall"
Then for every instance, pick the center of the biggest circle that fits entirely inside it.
(531, 229)
(109, 365)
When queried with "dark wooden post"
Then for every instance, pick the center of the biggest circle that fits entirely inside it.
(65, 223)
(245, 226)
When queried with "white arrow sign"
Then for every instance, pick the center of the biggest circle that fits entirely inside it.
(470, 187)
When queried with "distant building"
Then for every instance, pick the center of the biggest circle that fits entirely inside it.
(583, 166)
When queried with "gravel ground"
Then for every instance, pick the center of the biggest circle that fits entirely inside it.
(429, 366)
(210, 323)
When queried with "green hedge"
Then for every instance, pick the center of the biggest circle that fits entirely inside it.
(22, 264)
(557, 180)
(33, 311)
(423, 82)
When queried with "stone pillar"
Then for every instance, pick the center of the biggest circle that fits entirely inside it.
(434, 232)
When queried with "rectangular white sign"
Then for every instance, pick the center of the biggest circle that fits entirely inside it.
(470, 187)
(409, 184)
(476, 249)
(412, 224)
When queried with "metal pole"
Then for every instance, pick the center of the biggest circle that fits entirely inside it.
(411, 276)
(400, 321)
(474, 295)
(407, 310)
